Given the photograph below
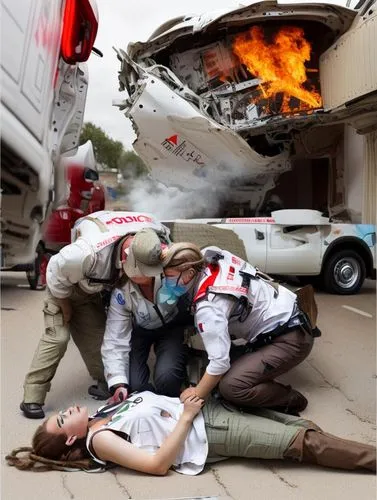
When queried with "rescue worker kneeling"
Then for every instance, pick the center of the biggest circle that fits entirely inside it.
(138, 318)
(76, 278)
(231, 302)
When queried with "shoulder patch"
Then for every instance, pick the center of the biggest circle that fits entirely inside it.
(120, 299)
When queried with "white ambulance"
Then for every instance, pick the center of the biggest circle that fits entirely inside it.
(44, 46)
(305, 243)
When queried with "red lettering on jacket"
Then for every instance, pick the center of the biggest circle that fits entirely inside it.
(236, 260)
(130, 218)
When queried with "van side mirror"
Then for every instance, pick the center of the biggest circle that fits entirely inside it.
(91, 175)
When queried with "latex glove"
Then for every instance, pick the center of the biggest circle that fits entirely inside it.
(120, 394)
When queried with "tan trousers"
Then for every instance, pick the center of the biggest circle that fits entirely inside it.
(250, 380)
(87, 327)
(268, 434)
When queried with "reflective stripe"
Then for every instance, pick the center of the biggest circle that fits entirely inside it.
(209, 281)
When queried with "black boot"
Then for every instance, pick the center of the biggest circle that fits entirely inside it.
(32, 410)
(99, 391)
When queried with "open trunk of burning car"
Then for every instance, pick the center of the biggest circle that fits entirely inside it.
(235, 93)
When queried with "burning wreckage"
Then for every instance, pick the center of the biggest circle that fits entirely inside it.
(242, 94)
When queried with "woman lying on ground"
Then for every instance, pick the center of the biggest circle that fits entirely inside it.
(152, 433)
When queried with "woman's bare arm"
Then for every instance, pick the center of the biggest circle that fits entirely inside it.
(112, 448)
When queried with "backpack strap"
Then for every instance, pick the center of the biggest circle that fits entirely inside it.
(269, 280)
(101, 226)
(114, 273)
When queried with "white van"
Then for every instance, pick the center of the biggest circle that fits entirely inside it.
(303, 243)
(44, 46)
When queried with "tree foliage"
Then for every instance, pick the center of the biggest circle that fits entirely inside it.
(131, 165)
(111, 154)
(106, 150)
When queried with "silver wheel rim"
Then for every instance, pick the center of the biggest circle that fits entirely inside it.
(347, 272)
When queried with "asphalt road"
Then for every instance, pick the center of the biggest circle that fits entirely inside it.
(339, 379)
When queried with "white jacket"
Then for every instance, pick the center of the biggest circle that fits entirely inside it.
(129, 308)
(90, 255)
(216, 301)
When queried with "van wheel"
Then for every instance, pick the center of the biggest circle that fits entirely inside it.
(34, 275)
(344, 273)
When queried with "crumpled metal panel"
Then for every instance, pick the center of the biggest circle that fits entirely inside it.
(187, 149)
(348, 70)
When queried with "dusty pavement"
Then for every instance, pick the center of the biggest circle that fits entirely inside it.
(339, 379)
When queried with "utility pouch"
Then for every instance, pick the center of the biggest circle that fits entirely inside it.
(307, 304)
(53, 315)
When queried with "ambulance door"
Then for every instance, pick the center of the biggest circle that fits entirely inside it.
(30, 38)
(293, 249)
(253, 233)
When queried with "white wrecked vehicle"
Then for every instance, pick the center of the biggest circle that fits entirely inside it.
(304, 243)
(244, 92)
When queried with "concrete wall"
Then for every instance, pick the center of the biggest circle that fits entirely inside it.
(370, 179)
(353, 172)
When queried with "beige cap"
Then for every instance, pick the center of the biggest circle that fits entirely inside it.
(144, 255)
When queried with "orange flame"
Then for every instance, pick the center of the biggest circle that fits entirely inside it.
(280, 64)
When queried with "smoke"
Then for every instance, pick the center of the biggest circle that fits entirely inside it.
(222, 187)
(148, 195)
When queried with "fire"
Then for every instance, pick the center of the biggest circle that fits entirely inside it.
(280, 65)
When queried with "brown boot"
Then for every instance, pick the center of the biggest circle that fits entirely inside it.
(311, 446)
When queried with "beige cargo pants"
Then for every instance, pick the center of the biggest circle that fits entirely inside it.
(87, 327)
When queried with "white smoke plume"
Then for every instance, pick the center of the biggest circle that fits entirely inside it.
(165, 202)
(219, 189)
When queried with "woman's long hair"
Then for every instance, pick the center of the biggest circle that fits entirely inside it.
(49, 452)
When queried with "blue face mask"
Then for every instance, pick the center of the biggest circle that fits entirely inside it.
(171, 290)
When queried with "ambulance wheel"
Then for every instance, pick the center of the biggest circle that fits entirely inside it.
(344, 273)
(34, 274)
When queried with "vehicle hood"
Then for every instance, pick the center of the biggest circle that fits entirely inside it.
(338, 18)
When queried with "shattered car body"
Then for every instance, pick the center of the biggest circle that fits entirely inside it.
(241, 93)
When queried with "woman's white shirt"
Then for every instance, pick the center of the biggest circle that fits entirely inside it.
(147, 419)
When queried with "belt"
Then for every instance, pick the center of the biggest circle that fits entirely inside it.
(267, 338)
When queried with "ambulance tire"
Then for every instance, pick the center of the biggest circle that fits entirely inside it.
(344, 273)
(34, 274)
